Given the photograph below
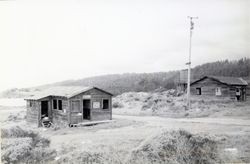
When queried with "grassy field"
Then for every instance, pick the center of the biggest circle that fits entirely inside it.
(222, 137)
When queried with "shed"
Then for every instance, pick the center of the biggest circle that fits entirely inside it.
(220, 86)
(70, 105)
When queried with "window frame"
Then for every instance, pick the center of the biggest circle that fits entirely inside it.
(198, 91)
(218, 91)
(55, 104)
(59, 105)
(30, 103)
(103, 104)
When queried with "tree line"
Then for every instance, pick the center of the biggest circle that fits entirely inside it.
(146, 82)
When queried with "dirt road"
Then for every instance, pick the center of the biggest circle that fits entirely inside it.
(128, 131)
(208, 125)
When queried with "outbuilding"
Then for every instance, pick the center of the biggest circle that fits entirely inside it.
(69, 106)
(220, 86)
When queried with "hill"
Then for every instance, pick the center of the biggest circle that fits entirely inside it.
(145, 82)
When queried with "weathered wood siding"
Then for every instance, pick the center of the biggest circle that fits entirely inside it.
(60, 117)
(95, 95)
(248, 92)
(32, 112)
(208, 87)
(72, 109)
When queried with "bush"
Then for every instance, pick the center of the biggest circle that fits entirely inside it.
(15, 148)
(176, 147)
(25, 146)
(117, 105)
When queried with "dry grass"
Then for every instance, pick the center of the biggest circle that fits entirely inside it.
(24, 146)
(166, 147)
(176, 147)
(171, 104)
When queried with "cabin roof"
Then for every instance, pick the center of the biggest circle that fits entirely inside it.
(225, 80)
(66, 92)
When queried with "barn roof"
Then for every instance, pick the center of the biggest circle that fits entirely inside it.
(66, 92)
(225, 80)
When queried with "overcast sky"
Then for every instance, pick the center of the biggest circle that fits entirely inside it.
(49, 41)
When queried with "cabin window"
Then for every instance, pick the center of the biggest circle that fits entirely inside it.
(59, 104)
(30, 103)
(198, 91)
(54, 104)
(237, 92)
(105, 104)
(218, 91)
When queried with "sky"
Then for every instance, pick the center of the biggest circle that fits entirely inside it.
(48, 41)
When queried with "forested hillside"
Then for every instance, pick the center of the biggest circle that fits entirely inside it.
(237, 68)
(120, 83)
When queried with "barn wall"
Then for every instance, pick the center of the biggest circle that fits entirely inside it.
(94, 95)
(32, 112)
(208, 87)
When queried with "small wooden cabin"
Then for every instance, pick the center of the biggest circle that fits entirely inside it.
(247, 79)
(220, 86)
(70, 106)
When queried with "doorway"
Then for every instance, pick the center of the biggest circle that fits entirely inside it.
(44, 109)
(86, 109)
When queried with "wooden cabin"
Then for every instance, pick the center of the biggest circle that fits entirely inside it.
(220, 86)
(247, 79)
(68, 106)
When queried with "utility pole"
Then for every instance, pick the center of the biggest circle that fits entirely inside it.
(189, 60)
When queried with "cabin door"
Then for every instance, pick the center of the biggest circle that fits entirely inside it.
(44, 109)
(86, 109)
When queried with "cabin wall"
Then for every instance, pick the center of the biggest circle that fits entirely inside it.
(248, 92)
(60, 117)
(33, 107)
(99, 113)
(95, 96)
(208, 87)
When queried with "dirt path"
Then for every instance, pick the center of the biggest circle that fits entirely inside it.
(207, 125)
(156, 119)
(128, 131)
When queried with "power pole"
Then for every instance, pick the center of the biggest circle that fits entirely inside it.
(189, 60)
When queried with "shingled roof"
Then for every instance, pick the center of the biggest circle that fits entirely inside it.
(66, 92)
(226, 80)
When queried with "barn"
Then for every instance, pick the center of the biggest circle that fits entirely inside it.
(220, 87)
(69, 106)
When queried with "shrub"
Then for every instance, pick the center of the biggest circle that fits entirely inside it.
(176, 147)
(15, 148)
(25, 146)
(117, 105)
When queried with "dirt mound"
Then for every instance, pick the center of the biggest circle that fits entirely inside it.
(170, 103)
(176, 147)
